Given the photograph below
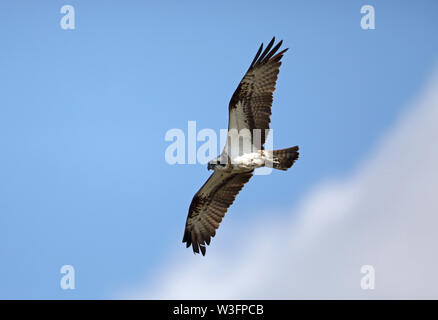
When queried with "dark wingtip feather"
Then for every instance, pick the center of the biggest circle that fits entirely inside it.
(186, 238)
(256, 56)
(279, 55)
(270, 53)
(195, 247)
(268, 47)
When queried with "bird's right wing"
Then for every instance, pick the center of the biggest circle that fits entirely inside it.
(209, 206)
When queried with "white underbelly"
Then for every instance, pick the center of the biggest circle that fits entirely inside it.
(248, 161)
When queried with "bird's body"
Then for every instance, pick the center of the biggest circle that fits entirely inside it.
(249, 161)
(248, 125)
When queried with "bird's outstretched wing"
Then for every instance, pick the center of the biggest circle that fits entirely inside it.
(250, 105)
(209, 206)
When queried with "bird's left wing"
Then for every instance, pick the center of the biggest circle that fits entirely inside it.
(250, 105)
(209, 206)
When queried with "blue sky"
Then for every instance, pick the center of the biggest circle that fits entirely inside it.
(83, 114)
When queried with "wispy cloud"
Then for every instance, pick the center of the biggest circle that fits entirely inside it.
(385, 214)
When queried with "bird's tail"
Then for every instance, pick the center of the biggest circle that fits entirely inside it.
(283, 159)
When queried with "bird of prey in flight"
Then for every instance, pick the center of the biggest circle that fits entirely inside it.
(249, 115)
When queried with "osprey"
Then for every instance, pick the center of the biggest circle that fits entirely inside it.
(248, 124)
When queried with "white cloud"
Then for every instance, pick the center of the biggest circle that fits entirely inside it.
(385, 215)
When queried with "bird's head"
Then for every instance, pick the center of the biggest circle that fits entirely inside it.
(215, 163)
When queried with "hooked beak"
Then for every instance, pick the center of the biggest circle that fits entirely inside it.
(210, 166)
